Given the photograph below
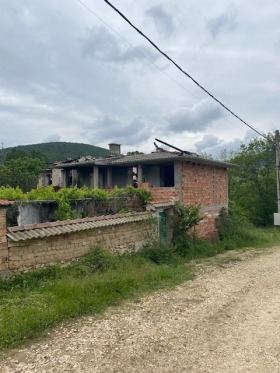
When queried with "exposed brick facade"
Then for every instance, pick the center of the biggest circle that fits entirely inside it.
(198, 184)
(205, 185)
(164, 195)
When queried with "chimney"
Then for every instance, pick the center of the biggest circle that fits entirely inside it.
(115, 150)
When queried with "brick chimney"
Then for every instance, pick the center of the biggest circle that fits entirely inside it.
(115, 150)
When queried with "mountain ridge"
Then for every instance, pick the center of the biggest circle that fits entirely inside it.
(57, 151)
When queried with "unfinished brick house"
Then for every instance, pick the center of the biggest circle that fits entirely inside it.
(169, 176)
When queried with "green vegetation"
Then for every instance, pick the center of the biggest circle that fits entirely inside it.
(57, 151)
(252, 185)
(65, 196)
(33, 302)
(20, 169)
(19, 166)
(185, 218)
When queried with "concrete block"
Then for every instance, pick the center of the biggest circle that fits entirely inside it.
(277, 219)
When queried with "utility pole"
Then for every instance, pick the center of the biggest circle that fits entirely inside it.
(277, 143)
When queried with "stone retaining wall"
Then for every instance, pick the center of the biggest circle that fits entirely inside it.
(38, 245)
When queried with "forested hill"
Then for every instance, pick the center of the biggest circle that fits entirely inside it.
(56, 151)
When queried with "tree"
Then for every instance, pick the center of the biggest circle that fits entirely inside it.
(252, 185)
(18, 153)
(21, 172)
(136, 152)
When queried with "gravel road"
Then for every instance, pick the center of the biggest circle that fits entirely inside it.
(225, 320)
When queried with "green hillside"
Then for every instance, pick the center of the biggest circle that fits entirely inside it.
(56, 151)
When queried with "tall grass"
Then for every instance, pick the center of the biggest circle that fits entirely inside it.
(33, 302)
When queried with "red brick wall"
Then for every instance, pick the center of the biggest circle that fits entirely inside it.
(204, 185)
(207, 227)
(164, 195)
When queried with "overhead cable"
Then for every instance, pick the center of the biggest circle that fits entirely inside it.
(182, 70)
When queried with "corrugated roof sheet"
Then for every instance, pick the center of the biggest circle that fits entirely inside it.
(33, 231)
(166, 156)
(133, 160)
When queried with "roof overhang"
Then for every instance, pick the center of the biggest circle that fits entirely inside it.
(151, 159)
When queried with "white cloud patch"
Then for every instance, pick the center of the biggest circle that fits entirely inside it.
(195, 119)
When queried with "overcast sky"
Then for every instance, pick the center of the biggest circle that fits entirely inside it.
(68, 75)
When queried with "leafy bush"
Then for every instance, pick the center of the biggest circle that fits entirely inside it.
(235, 231)
(99, 260)
(65, 197)
(12, 194)
(158, 253)
(185, 218)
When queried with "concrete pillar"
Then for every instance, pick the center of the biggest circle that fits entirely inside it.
(129, 176)
(140, 173)
(74, 177)
(214, 186)
(63, 181)
(3, 240)
(178, 179)
(58, 177)
(95, 177)
(109, 181)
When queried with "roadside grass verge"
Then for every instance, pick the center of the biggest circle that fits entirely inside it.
(31, 303)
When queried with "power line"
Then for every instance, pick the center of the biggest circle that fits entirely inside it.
(137, 50)
(148, 59)
(181, 69)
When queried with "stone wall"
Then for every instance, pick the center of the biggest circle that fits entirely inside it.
(3, 240)
(122, 234)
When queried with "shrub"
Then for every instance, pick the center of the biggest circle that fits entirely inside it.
(185, 218)
(158, 253)
(99, 260)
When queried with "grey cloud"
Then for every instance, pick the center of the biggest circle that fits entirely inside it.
(103, 45)
(227, 21)
(163, 21)
(112, 129)
(194, 119)
(208, 142)
(53, 138)
(213, 145)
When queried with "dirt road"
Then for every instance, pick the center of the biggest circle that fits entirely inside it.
(226, 320)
